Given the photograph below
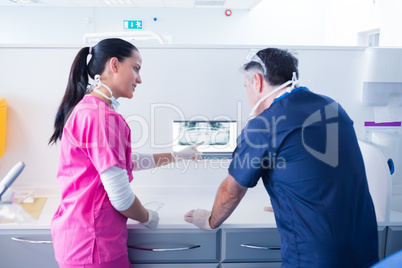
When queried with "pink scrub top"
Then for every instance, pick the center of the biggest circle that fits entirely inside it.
(86, 229)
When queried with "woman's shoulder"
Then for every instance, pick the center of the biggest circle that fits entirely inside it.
(92, 109)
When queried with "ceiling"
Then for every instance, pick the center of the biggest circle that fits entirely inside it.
(230, 4)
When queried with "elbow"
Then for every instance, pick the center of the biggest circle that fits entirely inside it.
(123, 204)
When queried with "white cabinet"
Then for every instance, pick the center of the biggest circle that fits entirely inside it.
(26, 248)
(168, 246)
(249, 245)
(179, 248)
(382, 238)
(252, 265)
(394, 240)
(176, 265)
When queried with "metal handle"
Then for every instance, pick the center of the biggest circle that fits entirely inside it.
(259, 247)
(164, 249)
(30, 241)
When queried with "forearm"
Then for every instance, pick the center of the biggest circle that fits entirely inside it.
(148, 161)
(116, 183)
(163, 159)
(229, 195)
(136, 211)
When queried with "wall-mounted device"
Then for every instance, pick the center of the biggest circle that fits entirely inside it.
(382, 76)
(219, 137)
(3, 119)
(11, 177)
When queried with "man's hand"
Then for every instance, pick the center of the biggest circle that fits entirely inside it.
(199, 217)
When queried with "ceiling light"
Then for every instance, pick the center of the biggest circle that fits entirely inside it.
(204, 3)
(118, 2)
(25, 1)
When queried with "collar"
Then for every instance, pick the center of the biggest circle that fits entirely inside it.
(287, 93)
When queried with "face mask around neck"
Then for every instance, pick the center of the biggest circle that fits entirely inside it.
(294, 83)
(98, 84)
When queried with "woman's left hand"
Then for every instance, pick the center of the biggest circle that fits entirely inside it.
(189, 152)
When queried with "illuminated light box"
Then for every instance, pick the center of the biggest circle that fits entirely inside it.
(219, 137)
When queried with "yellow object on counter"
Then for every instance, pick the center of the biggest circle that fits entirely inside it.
(3, 120)
(34, 208)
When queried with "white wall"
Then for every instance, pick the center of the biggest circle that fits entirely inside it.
(27, 25)
(33, 79)
(346, 18)
(390, 22)
(273, 22)
(193, 81)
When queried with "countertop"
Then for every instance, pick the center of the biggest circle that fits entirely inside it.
(177, 201)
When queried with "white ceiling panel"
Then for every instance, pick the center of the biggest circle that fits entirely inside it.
(179, 3)
(149, 3)
(232, 4)
(241, 4)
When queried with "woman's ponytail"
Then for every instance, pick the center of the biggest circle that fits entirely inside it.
(80, 70)
(75, 91)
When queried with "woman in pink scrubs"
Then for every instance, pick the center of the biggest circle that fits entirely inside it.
(95, 167)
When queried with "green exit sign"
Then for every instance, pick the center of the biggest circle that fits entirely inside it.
(132, 24)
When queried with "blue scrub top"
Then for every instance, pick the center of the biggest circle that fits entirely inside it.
(305, 149)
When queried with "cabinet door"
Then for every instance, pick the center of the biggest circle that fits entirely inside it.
(251, 245)
(173, 246)
(27, 248)
(382, 238)
(176, 265)
(252, 265)
(394, 240)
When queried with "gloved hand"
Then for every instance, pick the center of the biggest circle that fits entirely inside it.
(199, 217)
(153, 220)
(188, 152)
(269, 208)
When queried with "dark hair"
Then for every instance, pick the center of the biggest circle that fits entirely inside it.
(279, 63)
(80, 70)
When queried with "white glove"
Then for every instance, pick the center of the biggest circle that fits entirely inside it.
(199, 217)
(188, 152)
(153, 219)
(269, 208)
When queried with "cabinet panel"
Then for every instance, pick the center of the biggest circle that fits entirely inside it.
(394, 240)
(252, 265)
(176, 265)
(33, 248)
(382, 238)
(251, 245)
(173, 245)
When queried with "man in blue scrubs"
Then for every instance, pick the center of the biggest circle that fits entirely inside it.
(304, 147)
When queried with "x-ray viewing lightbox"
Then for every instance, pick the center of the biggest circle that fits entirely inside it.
(219, 137)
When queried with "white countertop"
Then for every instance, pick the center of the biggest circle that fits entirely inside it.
(177, 202)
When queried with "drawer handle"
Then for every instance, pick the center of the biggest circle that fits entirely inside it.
(30, 241)
(165, 249)
(259, 247)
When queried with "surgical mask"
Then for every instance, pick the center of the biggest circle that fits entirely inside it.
(294, 83)
(98, 84)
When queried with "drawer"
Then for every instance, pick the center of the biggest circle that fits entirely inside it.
(252, 265)
(173, 245)
(394, 240)
(382, 238)
(251, 245)
(177, 265)
(27, 248)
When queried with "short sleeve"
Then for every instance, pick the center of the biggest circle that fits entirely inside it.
(250, 156)
(103, 135)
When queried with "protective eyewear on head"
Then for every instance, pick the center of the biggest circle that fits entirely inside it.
(252, 56)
